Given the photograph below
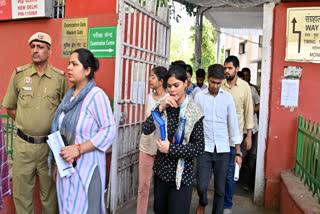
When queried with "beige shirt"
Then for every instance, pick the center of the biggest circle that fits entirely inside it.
(147, 142)
(35, 98)
(241, 94)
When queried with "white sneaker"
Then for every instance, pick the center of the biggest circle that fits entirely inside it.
(227, 211)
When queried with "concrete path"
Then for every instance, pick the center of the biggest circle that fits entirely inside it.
(242, 204)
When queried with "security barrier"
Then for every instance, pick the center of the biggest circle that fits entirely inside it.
(8, 130)
(308, 155)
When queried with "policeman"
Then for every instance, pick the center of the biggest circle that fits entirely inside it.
(33, 95)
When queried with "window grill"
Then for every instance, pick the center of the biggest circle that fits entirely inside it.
(59, 8)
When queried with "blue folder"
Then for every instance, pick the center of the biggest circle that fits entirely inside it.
(160, 125)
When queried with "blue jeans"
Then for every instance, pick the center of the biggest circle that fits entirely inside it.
(227, 204)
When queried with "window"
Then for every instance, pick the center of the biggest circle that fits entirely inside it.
(59, 8)
(243, 47)
(227, 53)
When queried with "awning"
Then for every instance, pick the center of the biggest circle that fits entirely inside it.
(233, 16)
(256, 60)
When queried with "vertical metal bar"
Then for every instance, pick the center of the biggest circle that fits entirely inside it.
(7, 134)
(63, 8)
(114, 191)
(153, 58)
(318, 154)
(168, 37)
(132, 145)
(309, 151)
(313, 150)
(127, 130)
(132, 79)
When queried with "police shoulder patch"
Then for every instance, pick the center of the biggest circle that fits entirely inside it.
(23, 68)
(57, 71)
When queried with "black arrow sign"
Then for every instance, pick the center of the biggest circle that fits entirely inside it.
(294, 21)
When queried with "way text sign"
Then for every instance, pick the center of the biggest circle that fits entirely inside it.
(303, 34)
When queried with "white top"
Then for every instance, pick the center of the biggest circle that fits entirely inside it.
(147, 142)
(204, 86)
(255, 101)
(220, 122)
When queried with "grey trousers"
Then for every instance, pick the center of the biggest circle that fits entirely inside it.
(94, 193)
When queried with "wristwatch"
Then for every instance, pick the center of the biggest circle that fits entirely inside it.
(239, 154)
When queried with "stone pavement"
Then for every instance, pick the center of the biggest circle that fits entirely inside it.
(242, 204)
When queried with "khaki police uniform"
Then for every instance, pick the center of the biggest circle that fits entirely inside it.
(35, 99)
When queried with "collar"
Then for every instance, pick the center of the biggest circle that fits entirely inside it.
(225, 82)
(47, 72)
(206, 91)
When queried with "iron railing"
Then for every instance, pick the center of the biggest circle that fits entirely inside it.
(308, 155)
(8, 130)
(59, 8)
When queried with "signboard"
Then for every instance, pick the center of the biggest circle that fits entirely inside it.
(21, 9)
(303, 34)
(74, 35)
(102, 41)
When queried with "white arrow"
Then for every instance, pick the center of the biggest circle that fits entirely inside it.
(103, 50)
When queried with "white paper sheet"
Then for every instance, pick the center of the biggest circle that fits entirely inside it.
(236, 172)
(289, 92)
(55, 143)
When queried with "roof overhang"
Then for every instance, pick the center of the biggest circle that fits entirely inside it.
(233, 16)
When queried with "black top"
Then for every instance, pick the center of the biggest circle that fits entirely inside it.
(165, 165)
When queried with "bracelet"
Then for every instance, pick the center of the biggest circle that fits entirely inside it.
(79, 151)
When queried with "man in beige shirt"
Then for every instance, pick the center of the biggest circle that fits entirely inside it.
(241, 94)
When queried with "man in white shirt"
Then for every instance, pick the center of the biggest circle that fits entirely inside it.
(220, 126)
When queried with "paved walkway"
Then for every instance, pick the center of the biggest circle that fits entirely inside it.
(242, 204)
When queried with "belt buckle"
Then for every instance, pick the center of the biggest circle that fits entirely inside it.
(37, 140)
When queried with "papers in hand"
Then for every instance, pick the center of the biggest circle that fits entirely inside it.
(55, 143)
(236, 172)
(160, 125)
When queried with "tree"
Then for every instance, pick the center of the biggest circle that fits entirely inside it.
(181, 45)
(208, 53)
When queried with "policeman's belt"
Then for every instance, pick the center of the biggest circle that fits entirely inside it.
(35, 140)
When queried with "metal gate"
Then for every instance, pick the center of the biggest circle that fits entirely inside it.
(143, 42)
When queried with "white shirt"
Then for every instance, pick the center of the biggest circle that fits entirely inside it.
(204, 86)
(255, 101)
(220, 122)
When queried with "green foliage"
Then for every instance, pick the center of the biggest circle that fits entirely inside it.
(208, 53)
(191, 9)
(181, 47)
(222, 55)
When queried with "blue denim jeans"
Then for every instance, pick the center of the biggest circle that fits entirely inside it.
(227, 204)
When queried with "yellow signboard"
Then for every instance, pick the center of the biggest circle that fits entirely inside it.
(74, 35)
(303, 34)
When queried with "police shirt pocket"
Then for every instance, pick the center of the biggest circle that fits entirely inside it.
(25, 98)
(53, 101)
